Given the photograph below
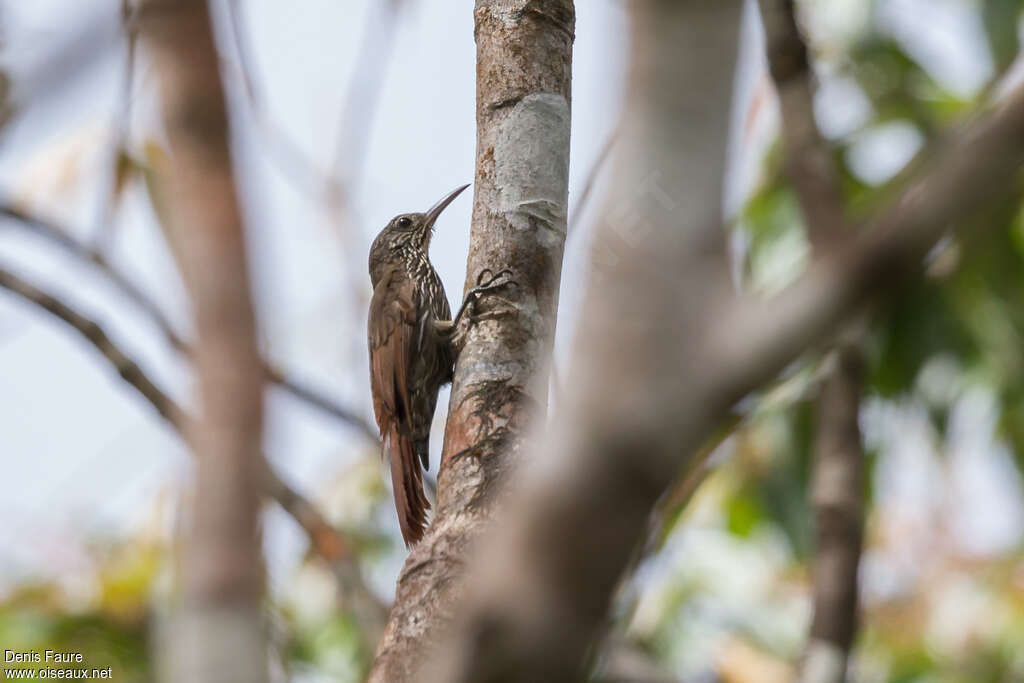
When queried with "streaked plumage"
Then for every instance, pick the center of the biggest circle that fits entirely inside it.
(411, 354)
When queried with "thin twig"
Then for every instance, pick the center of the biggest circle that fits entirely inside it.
(329, 187)
(574, 218)
(169, 409)
(588, 185)
(126, 366)
(365, 87)
(296, 166)
(66, 241)
(105, 226)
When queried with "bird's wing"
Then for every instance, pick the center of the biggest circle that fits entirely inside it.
(392, 337)
(392, 334)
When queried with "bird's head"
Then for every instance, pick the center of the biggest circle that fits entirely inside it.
(408, 231)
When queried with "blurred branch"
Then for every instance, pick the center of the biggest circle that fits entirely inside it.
(837, 491)
(64, 239)
(549, 565)
(218, 625)
(666, 347)
(93, 332)
(217, 634)
(571, 229)
(330, 187)
(105, 226)
(325, 540)
(837, 487)
(296, 166)
(367, 82)
(808, 160)
(697, 470)
(358, 109)
(576, 213)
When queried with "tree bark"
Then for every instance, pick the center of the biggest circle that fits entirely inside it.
(524, 59)
(837, 487)
(217, 634)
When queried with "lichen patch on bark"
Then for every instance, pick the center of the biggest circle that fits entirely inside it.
(531, 163)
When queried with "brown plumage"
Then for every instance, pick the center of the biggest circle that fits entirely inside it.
(412, 354)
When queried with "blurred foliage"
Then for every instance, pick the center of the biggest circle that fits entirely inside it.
(775, 452)
(900, 89)
(110, 609)
(107, 622)
(1002, 28)
(727, 596)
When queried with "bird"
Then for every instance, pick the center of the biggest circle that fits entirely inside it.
(412, 339)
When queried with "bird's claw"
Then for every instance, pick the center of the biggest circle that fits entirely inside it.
(505, 308)
(491, 277)
(486, 281)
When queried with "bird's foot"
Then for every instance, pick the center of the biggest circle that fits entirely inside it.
(488, 277)
(487, 281)
(504, 308)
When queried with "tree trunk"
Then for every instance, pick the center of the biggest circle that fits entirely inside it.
(541, 589)
(217, 634)
(524, 66)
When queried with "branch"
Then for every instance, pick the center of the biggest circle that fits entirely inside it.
(217, 634)
(837, 489)
(808, 160)
(104, 228)
(325, 540)
(588, 185)
(296, 166)
(65, 240)
(572, 228)
(93, 332)
(665, 348)
(330, 187)
(365, 87)
(837, 482)
(975, 164)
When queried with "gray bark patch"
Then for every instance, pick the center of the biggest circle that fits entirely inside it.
(531, 165)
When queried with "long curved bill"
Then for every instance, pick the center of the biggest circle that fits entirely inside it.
(436, 209)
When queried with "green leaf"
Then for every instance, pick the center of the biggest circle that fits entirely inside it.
(743, 514)
(1001, 18)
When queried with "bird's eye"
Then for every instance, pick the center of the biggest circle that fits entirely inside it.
(404, 222)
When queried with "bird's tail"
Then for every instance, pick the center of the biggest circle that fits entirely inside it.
(407, 482)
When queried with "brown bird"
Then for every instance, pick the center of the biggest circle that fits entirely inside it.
(412, 351)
